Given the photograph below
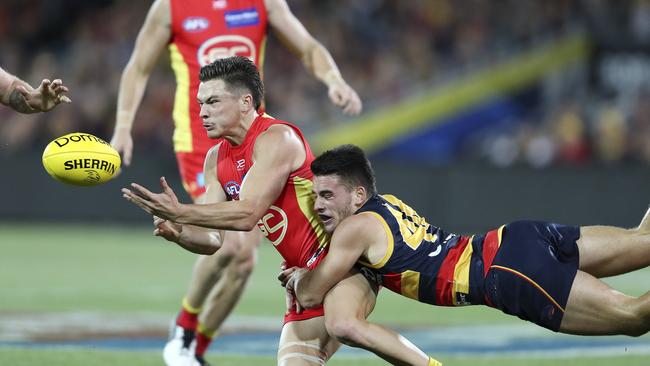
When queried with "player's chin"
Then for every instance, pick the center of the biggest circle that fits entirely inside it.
(214, 134)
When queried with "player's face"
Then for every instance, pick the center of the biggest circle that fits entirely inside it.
(220, 108)
(333, 201)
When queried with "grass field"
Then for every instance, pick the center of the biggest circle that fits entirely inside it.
(124, 271)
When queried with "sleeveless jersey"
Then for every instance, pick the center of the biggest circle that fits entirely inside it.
(204, 31)
(291, 223)
(427, 264)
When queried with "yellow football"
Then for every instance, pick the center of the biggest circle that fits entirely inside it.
(81, 159)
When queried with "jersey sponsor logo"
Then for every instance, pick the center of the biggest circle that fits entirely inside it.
(220, 47)
(242, 18)
(196, 24)
(232, 189)
(241, 164)
(274, 225)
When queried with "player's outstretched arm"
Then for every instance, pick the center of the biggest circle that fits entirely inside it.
(314, 56)
(151, 40)
(262, 186)
(20, 96)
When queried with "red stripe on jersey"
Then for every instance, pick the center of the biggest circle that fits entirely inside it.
(445, 281)
(490, 247)
(393, 282)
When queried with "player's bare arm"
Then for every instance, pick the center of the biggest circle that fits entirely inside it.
(313, 54)
(261, 187)
(151, 40)
(193, 238)
(20, 96)
(357, 237)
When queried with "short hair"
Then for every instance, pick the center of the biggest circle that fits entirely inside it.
(236, 72)
(350, 163)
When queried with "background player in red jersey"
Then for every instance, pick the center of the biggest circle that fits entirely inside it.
(275, 196)
(525, 268)
(197, 32)
(20, 96)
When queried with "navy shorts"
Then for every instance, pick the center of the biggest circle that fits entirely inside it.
(533, 271)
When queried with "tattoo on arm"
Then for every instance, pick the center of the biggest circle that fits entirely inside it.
(18, 103)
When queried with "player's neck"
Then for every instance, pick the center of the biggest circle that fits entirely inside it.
(239, 133)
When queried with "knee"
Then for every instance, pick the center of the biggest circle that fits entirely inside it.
(346, 330)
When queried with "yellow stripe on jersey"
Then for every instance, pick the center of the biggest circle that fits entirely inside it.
(500, 235)
(389, 247)
(410, 281)
(461, 273)
(305, 198)
(183, 131)
(414, 229)
(262, 58)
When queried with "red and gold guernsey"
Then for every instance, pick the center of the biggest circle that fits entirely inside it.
(425, 263)
(202, 32)
(290, 224)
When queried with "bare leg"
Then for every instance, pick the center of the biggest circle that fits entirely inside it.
(305, 343)
(594, 308)
(230, 286)
(346, 307)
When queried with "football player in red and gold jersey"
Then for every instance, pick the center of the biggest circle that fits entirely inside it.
(275, 197)
(196, 32)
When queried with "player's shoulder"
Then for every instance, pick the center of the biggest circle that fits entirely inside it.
(362, 227)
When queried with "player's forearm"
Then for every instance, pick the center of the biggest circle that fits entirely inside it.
(307, 295)
(318, 60)
(231, 215)
(199, 241)
(132, 85)
(14, 99)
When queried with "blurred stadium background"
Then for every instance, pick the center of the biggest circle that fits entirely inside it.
(476, 112)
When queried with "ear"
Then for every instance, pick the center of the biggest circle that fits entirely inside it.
(359, 196)
(246, 103)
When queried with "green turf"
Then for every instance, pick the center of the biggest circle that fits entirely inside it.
(77, 357)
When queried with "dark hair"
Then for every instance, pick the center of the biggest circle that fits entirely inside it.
(236, 72)
(350, 163)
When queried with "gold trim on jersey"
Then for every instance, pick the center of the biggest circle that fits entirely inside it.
(461, 273)
(500, 235)
(389, 247)
(181, 114)
(410, 284)
(305, 198)
(414, 229)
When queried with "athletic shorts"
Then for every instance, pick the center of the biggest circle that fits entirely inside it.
(533, 271)
(190, 166)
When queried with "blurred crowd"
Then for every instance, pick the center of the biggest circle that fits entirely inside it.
(387, 50)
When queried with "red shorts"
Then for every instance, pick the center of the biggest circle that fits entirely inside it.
(291, 315)
(190, 165)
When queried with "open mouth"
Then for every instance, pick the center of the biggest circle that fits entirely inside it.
(324, 218)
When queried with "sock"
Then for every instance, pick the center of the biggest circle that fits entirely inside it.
(188, 316)
(203, 340)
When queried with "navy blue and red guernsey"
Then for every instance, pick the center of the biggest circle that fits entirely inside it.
(203, 31)
(291, 223)
(427, 264)
(524, 268)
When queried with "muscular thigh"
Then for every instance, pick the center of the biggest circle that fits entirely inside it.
(353, 297)
(305, 342)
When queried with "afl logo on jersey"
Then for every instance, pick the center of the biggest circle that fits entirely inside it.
(274, 225)
(195, 24)
(225, 46)
(232, 189)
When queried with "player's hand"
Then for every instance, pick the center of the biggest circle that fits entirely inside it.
(47, 96)
(285, 274)
(167, 229)
(344, 97)
(164, 205)
(122, 142)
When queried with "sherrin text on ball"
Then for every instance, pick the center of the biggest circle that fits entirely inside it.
(81, 159)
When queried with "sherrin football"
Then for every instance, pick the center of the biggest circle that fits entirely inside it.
(81, 159)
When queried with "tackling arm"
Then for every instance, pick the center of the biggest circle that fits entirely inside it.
(350, 241)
